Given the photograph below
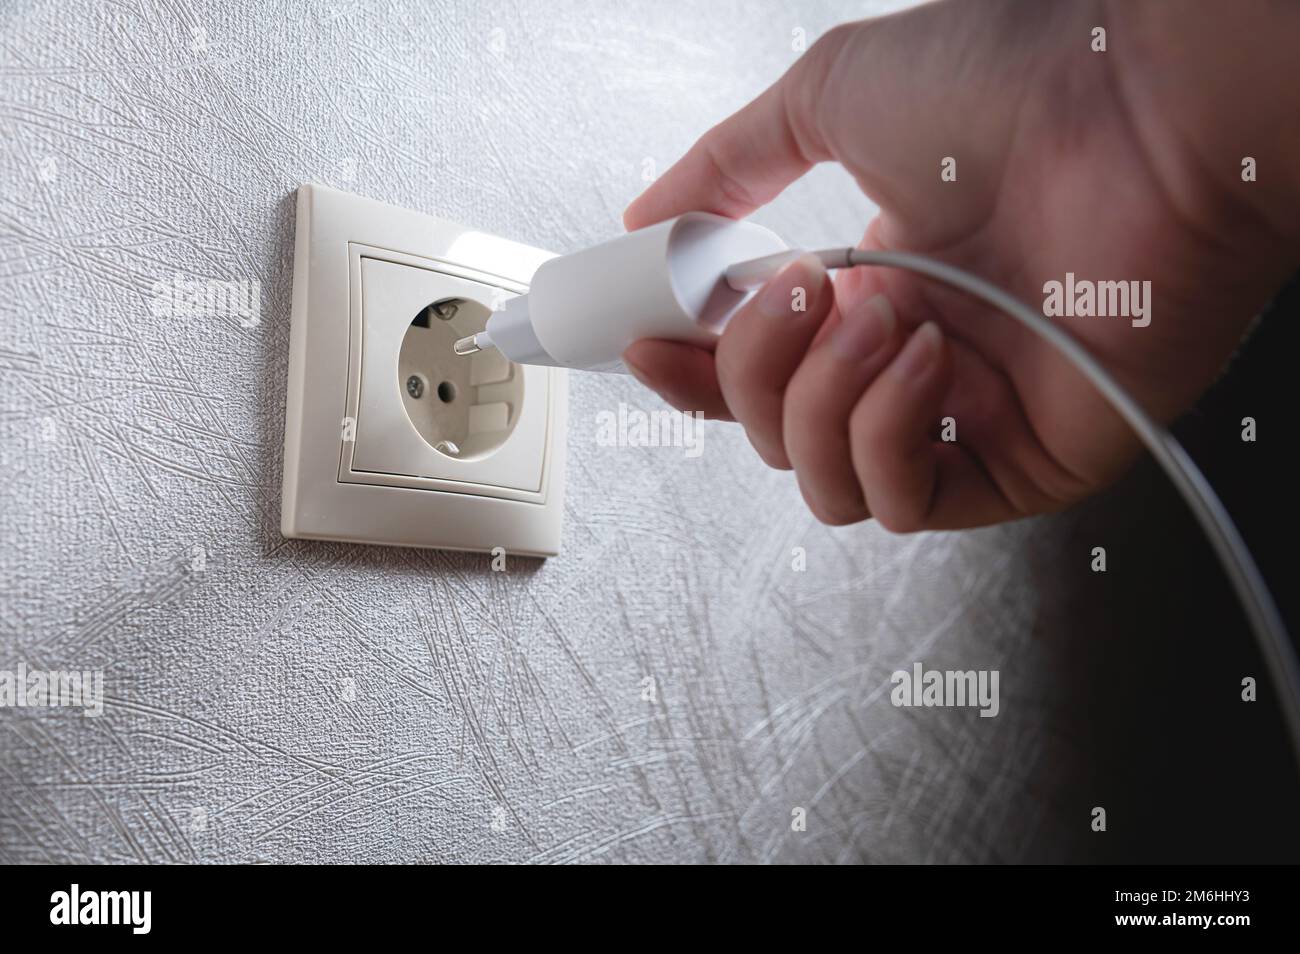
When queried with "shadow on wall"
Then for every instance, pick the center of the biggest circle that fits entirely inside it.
(1187, 770)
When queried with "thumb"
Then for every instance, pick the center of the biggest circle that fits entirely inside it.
(748, 159)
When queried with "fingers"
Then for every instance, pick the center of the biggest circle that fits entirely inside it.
(822, 395)
(763, 345)
(910, 481)
(756, 356)
(852, 402)
(995, 429)
(746, 160)
(682, 374)
(892, 453)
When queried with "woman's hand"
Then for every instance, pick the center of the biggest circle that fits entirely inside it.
(1123, 165)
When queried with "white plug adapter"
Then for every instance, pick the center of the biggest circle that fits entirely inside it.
(664, 281)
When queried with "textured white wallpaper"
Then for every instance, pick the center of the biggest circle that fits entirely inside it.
(291, 701)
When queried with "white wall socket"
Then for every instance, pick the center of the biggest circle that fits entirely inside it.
(389, 436)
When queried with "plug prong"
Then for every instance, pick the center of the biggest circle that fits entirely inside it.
(467, 345)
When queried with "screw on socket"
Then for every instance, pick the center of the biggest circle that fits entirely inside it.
(415, 386)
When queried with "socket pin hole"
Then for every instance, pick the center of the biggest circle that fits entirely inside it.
(462, 407)
(443, 310)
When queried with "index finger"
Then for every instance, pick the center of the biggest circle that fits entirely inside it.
(749, 158)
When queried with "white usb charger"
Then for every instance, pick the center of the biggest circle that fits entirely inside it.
(583, 310)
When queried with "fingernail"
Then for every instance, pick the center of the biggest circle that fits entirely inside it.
(862, 333)
(917, 356)
(633, 367)
(793, 289)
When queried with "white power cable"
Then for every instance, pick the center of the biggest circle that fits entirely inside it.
(1265, 620)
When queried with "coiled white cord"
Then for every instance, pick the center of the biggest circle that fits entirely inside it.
(1265, 620)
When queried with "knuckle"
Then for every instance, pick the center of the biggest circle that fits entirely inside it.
(826, 48)
(773, 455)
(868, 432)
(815, 66)
(836, 513)
(743, 374)
(837, 35)
(900, 517)
(727, 360)
(800, 418)
(721, 159)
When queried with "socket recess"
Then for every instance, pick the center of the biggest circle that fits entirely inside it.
(390, 437)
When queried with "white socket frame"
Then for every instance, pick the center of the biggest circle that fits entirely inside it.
(458, 506)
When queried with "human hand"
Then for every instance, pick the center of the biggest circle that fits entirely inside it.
(1114, 166)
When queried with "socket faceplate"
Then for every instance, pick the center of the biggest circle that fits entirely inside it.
(357, 464)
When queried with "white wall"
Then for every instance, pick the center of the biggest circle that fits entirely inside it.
(496, 716)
